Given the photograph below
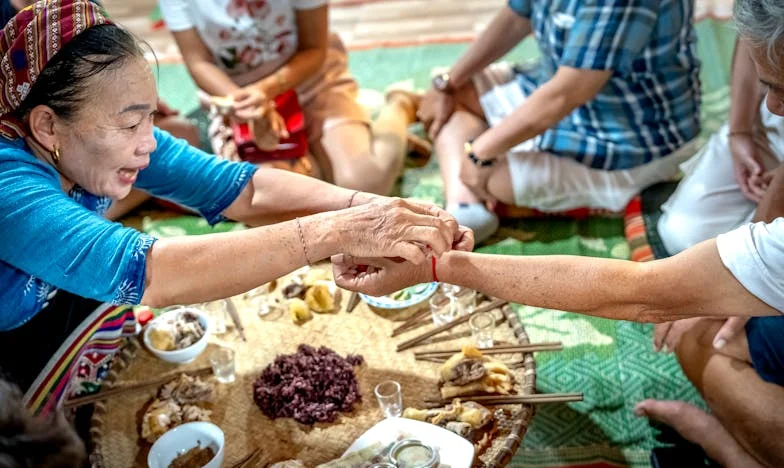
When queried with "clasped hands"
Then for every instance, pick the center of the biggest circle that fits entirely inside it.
(378, 276)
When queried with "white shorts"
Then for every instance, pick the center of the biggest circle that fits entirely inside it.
(709, 201)
(547, 182)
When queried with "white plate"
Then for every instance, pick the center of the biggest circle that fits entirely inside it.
(454, 450)
(419, 293)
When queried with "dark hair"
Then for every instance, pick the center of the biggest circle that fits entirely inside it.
(27, 441)
(63, 83)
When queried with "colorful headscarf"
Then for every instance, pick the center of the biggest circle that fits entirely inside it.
(29, 41)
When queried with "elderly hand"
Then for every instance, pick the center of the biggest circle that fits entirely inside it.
(747, 166)
(378, 276)
(393, 227)
(435, 110)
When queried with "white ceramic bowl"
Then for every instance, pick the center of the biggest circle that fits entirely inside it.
(183, 438)
(179, 356)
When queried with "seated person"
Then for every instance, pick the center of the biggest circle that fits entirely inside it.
(167, 119)
(253, 51)
(27, 441)
(609, 110)
(741, 272)
(732, 173)
(76, 132)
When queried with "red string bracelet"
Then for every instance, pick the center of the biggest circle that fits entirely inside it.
(433, 262)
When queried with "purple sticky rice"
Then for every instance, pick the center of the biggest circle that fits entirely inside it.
(311, 386)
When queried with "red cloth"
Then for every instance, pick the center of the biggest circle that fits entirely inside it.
(29, 41)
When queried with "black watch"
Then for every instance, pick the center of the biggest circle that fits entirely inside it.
(443, 84)
(468, 147)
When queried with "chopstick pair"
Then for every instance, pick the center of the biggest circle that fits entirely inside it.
(416, 341)
(133, 386)
(537, 398)
(500, 349)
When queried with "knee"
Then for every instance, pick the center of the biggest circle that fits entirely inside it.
(679, 231)
(364, 177)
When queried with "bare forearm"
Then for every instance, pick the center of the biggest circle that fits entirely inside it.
(274, 195)
(503, 33)
(186, 270)
(211, 79)
(304, 65)
(541, 110)
(745, 90)
(600, 287)
(694, 283)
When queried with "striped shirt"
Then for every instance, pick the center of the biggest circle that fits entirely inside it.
(650, 106)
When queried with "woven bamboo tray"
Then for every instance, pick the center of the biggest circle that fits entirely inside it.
(116, 421)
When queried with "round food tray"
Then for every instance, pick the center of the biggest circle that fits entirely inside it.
(365, 331)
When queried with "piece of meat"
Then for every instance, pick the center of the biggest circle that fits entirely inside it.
(187, 390)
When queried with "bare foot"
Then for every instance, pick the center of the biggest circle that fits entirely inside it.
(408, 100)
(699, 427)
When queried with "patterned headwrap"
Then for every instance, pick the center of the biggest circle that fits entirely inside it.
(29, 41)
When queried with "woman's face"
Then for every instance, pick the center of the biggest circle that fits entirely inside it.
(109, 141)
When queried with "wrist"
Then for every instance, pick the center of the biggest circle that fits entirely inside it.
(444, 268)
(319, 237)
(477, 154)
(358, 198)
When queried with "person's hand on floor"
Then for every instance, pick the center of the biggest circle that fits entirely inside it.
(435, 110)
(667, 336)
(747, 166)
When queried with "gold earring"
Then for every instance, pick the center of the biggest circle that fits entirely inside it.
(56, 155)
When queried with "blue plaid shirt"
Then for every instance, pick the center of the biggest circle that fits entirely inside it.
(650, 106)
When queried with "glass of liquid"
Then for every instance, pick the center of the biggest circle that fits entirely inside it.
(222, 361)
(482, 325)
(390, 398)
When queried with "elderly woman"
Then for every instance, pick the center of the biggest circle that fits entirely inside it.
(76, 119)
(255, 50)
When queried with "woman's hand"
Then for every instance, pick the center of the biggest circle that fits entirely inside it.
(393, 227)
(378, 276)
(250, 103)
(269, 129)
(748, 169)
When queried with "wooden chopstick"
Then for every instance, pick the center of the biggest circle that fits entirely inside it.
(246, 461)
(353, 301)
(120, 389)
(537, 398)
(411, 322)
(235, 317)
(501, 349)
(447, 326)
(418, 319)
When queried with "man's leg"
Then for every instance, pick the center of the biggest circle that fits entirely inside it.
(465, 124)
(745, 427)
(552, 183)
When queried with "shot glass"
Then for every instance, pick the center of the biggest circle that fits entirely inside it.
(222, 361)
(218, 314)
(258, 300)
(482, 325)
(390, 398)
(442, 308)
